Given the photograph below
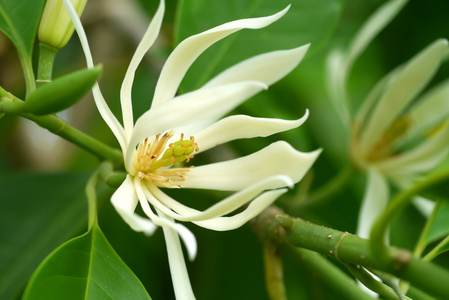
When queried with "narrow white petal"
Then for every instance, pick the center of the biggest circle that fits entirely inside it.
(145, 44)
(125, 201)
(421, 159)
(188, 50)
(431, 109)
(102, 106)
(336, 74)
(203, 104)
(373, 204)
(267, 68)
(181, 212)
(402, 90)
(375, 23)
(180, 276)
(424, 206)
(186, 235)
(243, 127)
(254, 208)
(277, 159)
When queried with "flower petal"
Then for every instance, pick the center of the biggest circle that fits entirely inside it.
(102, 106)
(181, 212)
(254, 208)
(186, 235)
(188, 50)
(267, 68)
(374, 202)
(145, 44)
(125, 201)
(431, 110)
(180, 276)
(203, 104)
(375, 23)
(414, 77)
(240, 127)
(239, 173)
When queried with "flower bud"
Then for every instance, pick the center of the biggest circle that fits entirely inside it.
(62, 92)
(56, 27)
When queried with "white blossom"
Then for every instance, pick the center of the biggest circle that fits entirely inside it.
(177, 127)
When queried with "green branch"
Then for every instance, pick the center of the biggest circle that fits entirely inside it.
(351, 249)
(397, 205)
(12, 105)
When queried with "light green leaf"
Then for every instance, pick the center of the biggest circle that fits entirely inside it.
(19, 20)
(440, 225)
(38, 213)
(86, 267)
(307, 21)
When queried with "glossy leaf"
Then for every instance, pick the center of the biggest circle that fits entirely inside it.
(86, 267)
(12, 22)
(38, 213)
(307, 21)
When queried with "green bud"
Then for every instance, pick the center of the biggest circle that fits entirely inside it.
(56, 27)
(62, 92)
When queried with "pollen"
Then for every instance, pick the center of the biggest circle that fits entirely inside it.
(154, 159)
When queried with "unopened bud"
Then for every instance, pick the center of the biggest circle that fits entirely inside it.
(56, 27)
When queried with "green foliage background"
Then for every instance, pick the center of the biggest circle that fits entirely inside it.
(42, 202)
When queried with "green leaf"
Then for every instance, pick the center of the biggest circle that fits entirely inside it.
(307, 21)
(19, 20)
(86, 267)
(38, 212)
(440, 226)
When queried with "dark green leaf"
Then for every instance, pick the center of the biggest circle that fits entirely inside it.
(19, 20)
(85, 268)
(307, 21)
(38, 213)
(62, 92)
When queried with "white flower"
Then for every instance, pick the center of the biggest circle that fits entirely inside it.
(176, 127)
(399, 132)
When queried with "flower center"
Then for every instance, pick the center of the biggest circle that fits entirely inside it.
(152, 159)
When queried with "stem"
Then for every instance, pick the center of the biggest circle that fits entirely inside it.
(330, 188)
(46, 59)
(91, 195)
(351, 249)
(27, 68)
(274, 272)
(331, 275)
(13, 105)
(437, 250)
(422, 243)
(398, 204)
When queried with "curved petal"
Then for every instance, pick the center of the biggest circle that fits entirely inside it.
(431, 110)
(145, 44)
(276, 159)
(207, 103)
(254, 208)
(180, 276)
(402, 90)
(181, 212)
(188, 50)
(243, 127)
(186, 235)
(125, 201)
(102, 106)
(267, 68)
(375, 23)
(374, 202)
